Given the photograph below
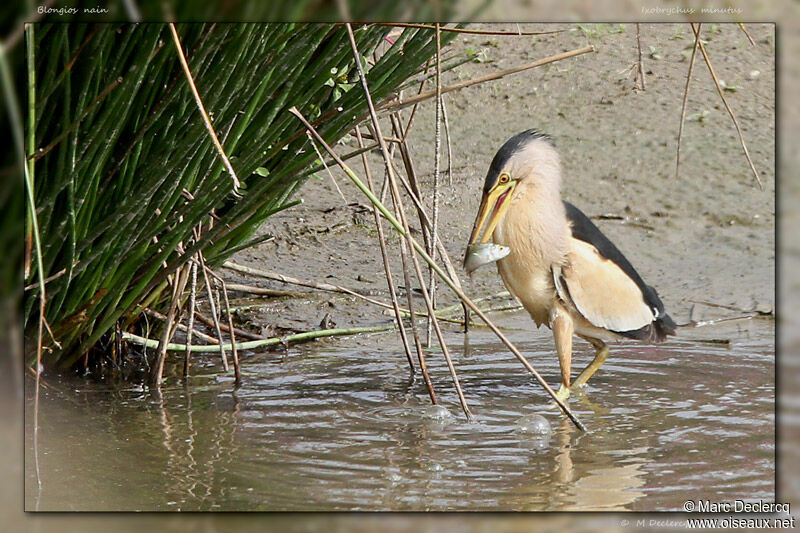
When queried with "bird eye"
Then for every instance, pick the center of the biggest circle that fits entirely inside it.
(503, 178)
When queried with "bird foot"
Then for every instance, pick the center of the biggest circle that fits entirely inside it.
(563, 393)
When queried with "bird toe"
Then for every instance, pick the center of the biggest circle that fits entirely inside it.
(563, 393)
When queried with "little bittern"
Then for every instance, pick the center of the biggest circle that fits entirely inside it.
(561, 267)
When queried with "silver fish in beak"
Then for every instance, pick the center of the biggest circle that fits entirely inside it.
(480, 254)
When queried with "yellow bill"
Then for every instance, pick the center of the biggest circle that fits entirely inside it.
(493, 205)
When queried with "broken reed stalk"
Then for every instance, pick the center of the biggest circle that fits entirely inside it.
(214, 315)
(323, 287)
(208, 321)
(696, 31)
(714, 321)
(396, 193)
(294, 281)
(263, 291)
(685, 101)
(211, 133)
(385, 258)
(48, 279)
(451, 308)
(476, 324)
(399, 104)
(450, 283)
(641, 63)
(252, 345)
(231, 329)
(170, 324)
(236, 371)
(387, 139)
(160, 316)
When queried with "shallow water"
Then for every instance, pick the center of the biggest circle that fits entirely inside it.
(337, 425)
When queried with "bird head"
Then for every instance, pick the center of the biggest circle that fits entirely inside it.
(526, 158)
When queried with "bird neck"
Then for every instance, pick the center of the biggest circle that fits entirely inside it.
(535, 225)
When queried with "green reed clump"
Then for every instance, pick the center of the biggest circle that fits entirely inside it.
(125, 170)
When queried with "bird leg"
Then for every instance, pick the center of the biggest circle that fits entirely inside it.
(563, 328)
(594, 366)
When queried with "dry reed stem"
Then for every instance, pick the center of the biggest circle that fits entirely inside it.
(385, 258)
(311, 140)
(392, 104)
(685, 101)
(449, 145)
(412, 188)
(425, 295)
(423, 366)
(425, 220)
(214, 315)
(271, 341)
(413, 183)
(232, 333)
(450, 283)
(170, 324)
(320, 286)
(190, 326)
(416, 106)
(641, 62)
(731, 307)
(182, 327)
(714, 321)
(387, 139)
(437, 160)
(727, 107)
(396, 193)
(208, 321)
(263, 291)
(294, 281)
(747, 34)
(231, 329)
(50, 278)
(206, 120)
